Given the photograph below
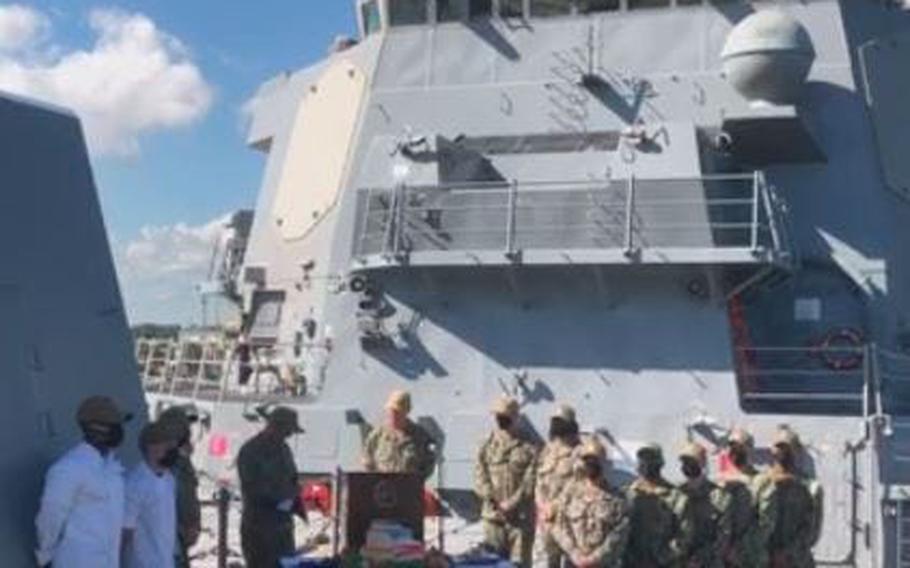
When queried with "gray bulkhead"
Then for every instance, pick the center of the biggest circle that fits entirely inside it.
(641, 353)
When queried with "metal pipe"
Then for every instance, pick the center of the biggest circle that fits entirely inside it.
(223, 497)
(510, 220)
(630, 206)
(336, 521)
(754, 238)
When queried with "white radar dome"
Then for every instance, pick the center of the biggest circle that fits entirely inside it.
(767, 57)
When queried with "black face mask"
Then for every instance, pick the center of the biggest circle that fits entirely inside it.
(170, 458)
(103, 436)
(560, 428)
(650, 470)
(691, 469)
(592, 468)
(739, 455)
(504, 422)
(784, 456)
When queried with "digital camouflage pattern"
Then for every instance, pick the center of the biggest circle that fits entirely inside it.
(410, 450)
(655, 510)
(704, 524)
(268, 477)
(504, 480)
(592, 525)
(787, 518)
(557, 468)
(745, 546)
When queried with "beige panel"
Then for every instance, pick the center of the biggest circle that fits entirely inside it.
(318, 150)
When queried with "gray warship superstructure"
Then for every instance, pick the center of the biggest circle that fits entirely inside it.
(64, 334)
(677, 216)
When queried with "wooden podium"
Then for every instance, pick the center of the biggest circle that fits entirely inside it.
(387, 496)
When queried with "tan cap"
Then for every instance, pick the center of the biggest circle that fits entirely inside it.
(786, 437)
(506, 406)
(650, 453)
(178, 421)
(285, 418)
(695, 451)
(155, 433)
(400, 401)
(742, 437)
(100, 410)
(565, 412)
(592, 448)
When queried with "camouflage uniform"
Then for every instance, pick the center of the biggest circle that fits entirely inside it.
(409, 450)
(745, 547)
(655, 508)
(704, 524)
(592, 524)
(789, 513)
(504, 481)
(189, 513)
(555, 471)
(268, 479)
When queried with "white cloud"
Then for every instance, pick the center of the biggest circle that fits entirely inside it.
(20, 27)
(135, 79)
(161, 269)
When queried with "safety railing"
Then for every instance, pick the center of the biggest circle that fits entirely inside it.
(719, 218)
(217, 371)
(807, 380)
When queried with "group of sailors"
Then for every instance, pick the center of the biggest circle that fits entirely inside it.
(92, 515)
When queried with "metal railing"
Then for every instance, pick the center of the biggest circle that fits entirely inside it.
(903, 534)
(627, 215)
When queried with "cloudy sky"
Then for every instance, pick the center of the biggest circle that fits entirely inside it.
(161, 86)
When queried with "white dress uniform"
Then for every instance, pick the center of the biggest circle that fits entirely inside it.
(81, 517)
(151, 512)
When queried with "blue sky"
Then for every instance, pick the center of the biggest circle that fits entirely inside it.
(167, 170)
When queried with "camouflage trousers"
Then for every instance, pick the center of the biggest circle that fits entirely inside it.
(555, 556)
(513, 541)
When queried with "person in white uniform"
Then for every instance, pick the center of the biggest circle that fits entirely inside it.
(80, 519)
(150, 521)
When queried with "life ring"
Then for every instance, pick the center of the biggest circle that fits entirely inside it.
(840, 349)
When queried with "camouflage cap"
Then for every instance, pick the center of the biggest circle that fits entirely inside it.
(650, 453)
(506, 406)
(742, 437)
(565, 412)
(400, 401)
(785, 436)
(694, 451)
(178, 420)
(155, 433)
(592, 448)
(285, 418)
(101, 410)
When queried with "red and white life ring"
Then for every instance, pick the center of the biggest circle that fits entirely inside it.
(841, 349)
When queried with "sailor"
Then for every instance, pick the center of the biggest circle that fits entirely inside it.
(80, 520)
(557, 468)
(592, 524)
(704, 524)
(504, 480)
(268, 482)
(787, 512)
(655, 506)
(150, 518)
(399, 445)
(189, 515)
(744, 547)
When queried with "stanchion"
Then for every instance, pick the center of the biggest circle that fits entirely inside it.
(223, 498)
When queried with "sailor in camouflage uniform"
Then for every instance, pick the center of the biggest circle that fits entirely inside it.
(744, 548)
(704, 524)
(504, 480)
(177, 420)
(592, 524)
(557, 467)
(786, 508)
(400, 445)
(268, 482)
(655, 506)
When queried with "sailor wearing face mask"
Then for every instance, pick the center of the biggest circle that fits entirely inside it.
(704, 523)
(189, 512)
(150, 523)
(745, 546)
(504, 481)
(81, 514)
